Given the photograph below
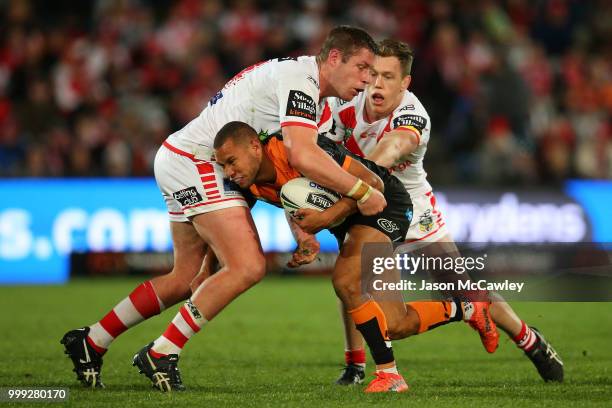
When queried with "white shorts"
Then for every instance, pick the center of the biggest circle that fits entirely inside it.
(192, 186)
(427, 223)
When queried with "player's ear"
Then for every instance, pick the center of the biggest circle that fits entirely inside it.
(406, 81)
(334, 57)
(255, 143)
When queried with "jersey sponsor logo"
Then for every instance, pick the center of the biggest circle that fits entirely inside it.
(301, 105)
(416, 121)
(187, 196)
(387, 225)
(409, 214)
(319, 200)
(215, 98)
(426, 221)
(314, 81)
(401, 166)
(230, 188)
(341, 102)
(406, 108)
(368, 134)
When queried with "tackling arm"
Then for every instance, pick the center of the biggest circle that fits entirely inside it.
(393, 146)
(310, 160)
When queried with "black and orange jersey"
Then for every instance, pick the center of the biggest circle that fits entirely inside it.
(276, 151)
(393, 221)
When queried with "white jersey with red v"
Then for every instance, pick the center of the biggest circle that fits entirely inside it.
(350, 125)
(268, 96)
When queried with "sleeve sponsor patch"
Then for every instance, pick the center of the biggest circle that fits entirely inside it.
(415, 121)
(301, 105)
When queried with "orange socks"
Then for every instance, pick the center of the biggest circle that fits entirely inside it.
(371, 322)
(434, 314)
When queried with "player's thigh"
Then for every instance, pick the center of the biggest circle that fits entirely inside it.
(192, 187)
(232, 235)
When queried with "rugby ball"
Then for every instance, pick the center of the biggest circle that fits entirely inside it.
(305, 193)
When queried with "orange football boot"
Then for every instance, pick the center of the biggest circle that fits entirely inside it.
(480, 320)
(387, 382)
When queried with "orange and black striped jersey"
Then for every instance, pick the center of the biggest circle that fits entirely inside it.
(270, 192)
(276, 151)
(393, 221)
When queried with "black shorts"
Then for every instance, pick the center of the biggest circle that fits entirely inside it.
(393, 221)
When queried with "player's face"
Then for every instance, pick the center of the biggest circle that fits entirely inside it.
(387, 85)
(351, 77)
(240, 161)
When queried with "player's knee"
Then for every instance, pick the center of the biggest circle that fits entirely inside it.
(250, 273)
(176, 287)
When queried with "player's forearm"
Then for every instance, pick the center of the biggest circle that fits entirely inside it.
(393, 147)
(315, 164)
(386, 154)
(298, 233)
(341, 209)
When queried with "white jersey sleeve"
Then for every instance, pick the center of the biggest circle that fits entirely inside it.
(413, 116)
(361, 137)
(298, 94)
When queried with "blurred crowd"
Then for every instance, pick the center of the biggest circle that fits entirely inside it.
(519, 91)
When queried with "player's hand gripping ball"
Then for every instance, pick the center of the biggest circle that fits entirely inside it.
(305, 193)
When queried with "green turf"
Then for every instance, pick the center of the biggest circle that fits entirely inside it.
(280, 345)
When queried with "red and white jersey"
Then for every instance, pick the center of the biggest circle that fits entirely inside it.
(268, 96)
(349, 126)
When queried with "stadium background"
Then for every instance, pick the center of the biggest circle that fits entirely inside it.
(519, 93)
(520, 96)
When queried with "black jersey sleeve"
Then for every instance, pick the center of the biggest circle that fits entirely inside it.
(249, 197)
(337, 152)
(340, 153)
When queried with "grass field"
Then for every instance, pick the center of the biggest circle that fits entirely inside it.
(280, 345)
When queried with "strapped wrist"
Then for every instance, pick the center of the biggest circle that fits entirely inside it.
(359, 191)
(367, 195)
